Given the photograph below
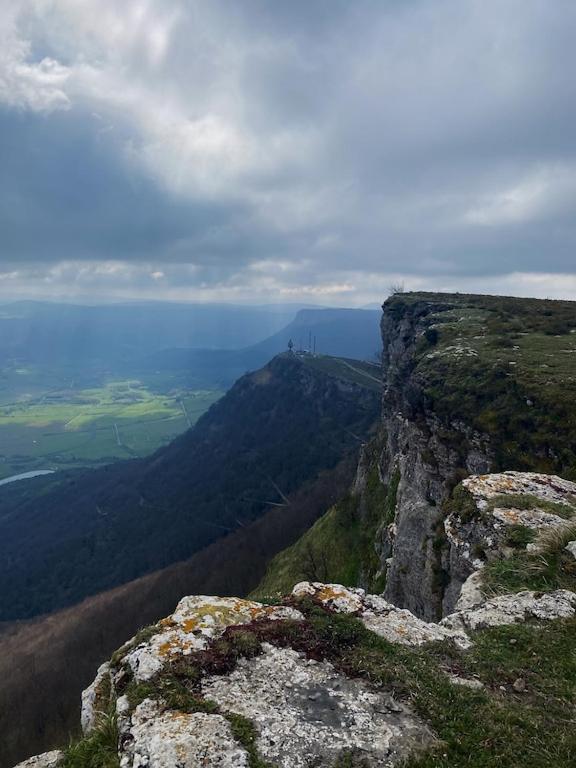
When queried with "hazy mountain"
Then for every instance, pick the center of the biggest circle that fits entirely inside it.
(46, 332)
(341, 332)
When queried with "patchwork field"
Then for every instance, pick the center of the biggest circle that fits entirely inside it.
(80, 424)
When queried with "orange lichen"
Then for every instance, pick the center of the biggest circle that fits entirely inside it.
(189, 625)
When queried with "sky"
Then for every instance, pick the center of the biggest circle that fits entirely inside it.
(316, 151)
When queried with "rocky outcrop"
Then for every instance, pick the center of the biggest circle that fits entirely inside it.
(306, 712)
(46, 760)
(162, 738)
(303, 710)
(196, 621)
(434, 438)
(490, 508)
(230, 683)
(427, 456)
(398, 625)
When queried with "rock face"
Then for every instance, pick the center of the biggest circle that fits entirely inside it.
(514, 609)
(196, 621)
(167, 739)
(424, 572)
(95, 698)
(306, 713)
(492, 504)
(417, 449)
(47, 760)
(398, 625)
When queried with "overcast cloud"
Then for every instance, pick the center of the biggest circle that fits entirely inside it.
(312, 150)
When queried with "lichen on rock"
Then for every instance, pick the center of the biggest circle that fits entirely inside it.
(397, 625)
(46, 760)
(307, 713)
(501, 504)
(166, 739)
(513, 609)
(197, 621)
(549, 488)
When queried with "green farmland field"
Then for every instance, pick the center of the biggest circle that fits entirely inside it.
(70, 426)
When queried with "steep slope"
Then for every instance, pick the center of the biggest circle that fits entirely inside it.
(55, 656)
(338, 678)
(275, 430)
(471, 384)
(480, 671)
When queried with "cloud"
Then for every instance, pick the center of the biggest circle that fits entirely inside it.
(39, 85)
(426, 139)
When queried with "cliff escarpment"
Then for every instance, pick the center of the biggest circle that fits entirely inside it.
(472, 384)
(336, 677)
(427, 618)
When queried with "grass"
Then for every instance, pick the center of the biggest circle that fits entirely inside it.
(368, 375)
(520, 392)
(547, 568)
(519, 536)
(69, 425)
(501, 724)
(244, 731)
(340, 546)
(99, 749)
(528, 501)
(482, 728)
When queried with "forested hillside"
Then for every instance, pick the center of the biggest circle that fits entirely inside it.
(275, 430)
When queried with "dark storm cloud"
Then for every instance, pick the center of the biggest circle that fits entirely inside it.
(313, 146)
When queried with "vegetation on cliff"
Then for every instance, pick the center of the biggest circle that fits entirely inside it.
(503, 366)
(505, 701)
(341, 546)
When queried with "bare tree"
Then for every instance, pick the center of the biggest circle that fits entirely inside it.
(395, 288)
(314, 564)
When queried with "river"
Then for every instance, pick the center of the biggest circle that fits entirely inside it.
(26, 476)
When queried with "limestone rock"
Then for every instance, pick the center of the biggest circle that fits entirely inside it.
(396, 625)
(92, 703)
(571, 547)
(46, 760)
(514, 608)
(334, 596)
(197, 621)
(471, 593)
(170, 739)
(486, 532)
(307, 713)
(466, 682)
(546, 487)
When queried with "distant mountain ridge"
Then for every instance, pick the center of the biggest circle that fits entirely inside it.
(42, 331)
(350, 333)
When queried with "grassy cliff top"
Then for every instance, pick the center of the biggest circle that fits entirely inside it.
(505, 366)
